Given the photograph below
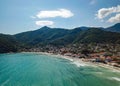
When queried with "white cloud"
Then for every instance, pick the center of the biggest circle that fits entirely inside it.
(104, 12)
(115, 19)
(64, 13)
(44, 23)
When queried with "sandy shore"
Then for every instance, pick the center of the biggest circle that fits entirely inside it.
(80, 62)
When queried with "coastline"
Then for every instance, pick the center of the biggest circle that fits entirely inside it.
(80, 61)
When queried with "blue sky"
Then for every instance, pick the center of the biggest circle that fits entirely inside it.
(24, 15)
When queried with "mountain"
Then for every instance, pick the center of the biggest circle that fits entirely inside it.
(82, 28)
(68, 38)
(96, 35)
(47, 35)
(43, 35)
(8, 43)
(57, 37)
(114, 28)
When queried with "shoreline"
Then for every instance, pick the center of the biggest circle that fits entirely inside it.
(78, 61)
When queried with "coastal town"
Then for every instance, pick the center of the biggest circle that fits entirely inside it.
(96, 53)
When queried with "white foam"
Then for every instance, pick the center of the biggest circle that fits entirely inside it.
(65, 57)
(79, 64)
(114, 70)
(115, 78)
(69, 59)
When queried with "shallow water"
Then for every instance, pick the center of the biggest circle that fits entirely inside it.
(27, 69)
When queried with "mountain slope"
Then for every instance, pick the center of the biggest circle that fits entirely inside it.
(114, 28)
(57, 37)
(42, 35)
(8, 43)
(69, 37)
(95, 35)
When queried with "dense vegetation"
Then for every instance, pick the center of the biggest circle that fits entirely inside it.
(58, 36)
(114, 28)
(8, 43)
(95, 35)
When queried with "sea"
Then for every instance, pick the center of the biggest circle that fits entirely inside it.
(34, 69)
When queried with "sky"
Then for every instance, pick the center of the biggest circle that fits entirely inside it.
(25, 15)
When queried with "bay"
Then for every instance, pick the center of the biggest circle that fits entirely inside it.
(32, 69)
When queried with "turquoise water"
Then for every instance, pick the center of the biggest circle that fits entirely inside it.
(26, 69)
